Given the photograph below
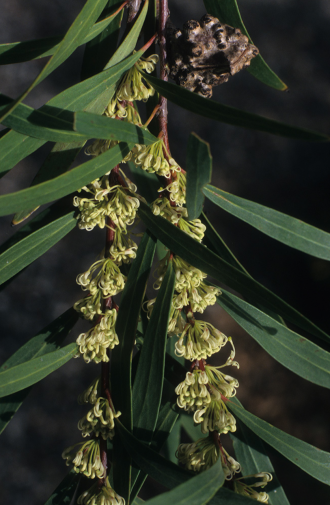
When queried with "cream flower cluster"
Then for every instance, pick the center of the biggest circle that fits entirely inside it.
(152, 159)
(86, 459)
(97, 495)
(248, 489)
(114, 203)
(100, 420)
(202, 340)
(93, 345)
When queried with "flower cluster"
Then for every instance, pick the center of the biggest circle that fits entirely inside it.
(241, 487)
(152, 159)
(86, 459)
(100, 496)
(100, 420)
(93, 345)
(114, 203)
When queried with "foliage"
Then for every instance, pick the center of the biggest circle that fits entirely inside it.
(157, 347)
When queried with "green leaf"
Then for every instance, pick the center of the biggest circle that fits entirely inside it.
(64, 184)
(64, 493)
(14, 147)
(72, 39)
(201, 257)
(167, 473)
(57, 125)
(57, 162)
(193, 431)
(286, 229)
(166, 422)
(229, 115)
(18, 52)
(21, 376)
(227, 12)
(199, 171)
(173, 442)
(44, 124)
(251, 454)
(310, 459)
(130, 41)
(91, 95)
(97, 51)
(148, 383)
(216, 243)
(289, 348)
(102, 127)
(147, 184)
(25, 247)
(47, 340)
(121, 361)
(196, 491)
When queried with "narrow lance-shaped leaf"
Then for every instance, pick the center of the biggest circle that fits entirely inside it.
(196, 491)
(102, 127)
(230, 115)
(170, 475)
(286, 229)
(227, 11)
(121, 361)
(251, 454)
(72, 39)
(310, 459)
(63, 154)
(18, 52)
(21, 376)
(201, 257)
(130, 41)
(55, 125)
(148, 383)
(97, 51)
(199, 171)
(290, 349)
(86, 95)
(167, 419)
(216, 243)
(65, 183)
(50, 228)
(47, 340)
(57, 162)
(64, 493)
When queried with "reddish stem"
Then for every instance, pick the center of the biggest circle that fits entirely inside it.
(162, 116)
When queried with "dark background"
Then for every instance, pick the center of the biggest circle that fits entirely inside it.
(287, 175)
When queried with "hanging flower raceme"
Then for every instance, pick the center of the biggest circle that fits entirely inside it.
(91, 394)
(192, 392)
(100, 420)
(215, 416)
(248, 489)
(90, 306)
(123, 249)
(113, 202)
(133, 86)
(86, 459)
(199, 340)
(151, 158)
(229, 465)
(177, 189)
(178, 216)
(200, 455)
(124, 111)
(103, 275)
(97, 495)
(93, 345)
(224, 384)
